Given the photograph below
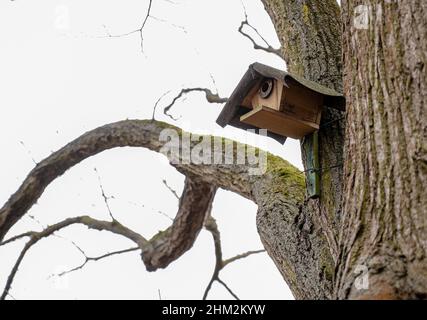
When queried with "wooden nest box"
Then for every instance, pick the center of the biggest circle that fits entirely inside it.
(284, 104)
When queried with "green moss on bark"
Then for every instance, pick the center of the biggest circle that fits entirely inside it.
(288, 179)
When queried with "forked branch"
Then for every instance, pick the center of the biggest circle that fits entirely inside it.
(266, 47)
(210, 97)
(220, 264)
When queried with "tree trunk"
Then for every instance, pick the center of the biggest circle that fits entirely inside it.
(384, 223)
(310, 34)
(377, 243)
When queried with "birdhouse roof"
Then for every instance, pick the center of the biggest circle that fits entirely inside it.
(232, 110)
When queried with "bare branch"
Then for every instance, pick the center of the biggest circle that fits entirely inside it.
(104, 196)
(165, 215)
(91, 223)
(170, 189)
(13, 298)
(28, 151)
(210, 97)
(179, 27)
(241, 256)
(14, 271)
(220, 264)
(267, 48)
(94, 259)
(212, 227)
(195, 203)
(157, 102)
(143, 24)
(139, 30)
(18, 237)
(171, 2)
(132, 133)
(160, 251)
(75, 245)
(228, 289)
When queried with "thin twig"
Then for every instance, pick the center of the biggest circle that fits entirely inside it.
(170, 189)
(18, 237)
(165, 215)
(94, 259)
(28, 151)
(177, 26)
(15, 269)
(104, 196)
(13, 298)
(241, 256)
(157, 102)
(35, 237)
(228, 289)
(139, 30)
(210, 97)
(220, 264)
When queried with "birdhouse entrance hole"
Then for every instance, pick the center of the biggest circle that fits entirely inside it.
(266, 88)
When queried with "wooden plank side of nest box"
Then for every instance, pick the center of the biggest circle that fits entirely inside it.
(277, 122)
(302, 103)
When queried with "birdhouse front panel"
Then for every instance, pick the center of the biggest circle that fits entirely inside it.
(269, 94)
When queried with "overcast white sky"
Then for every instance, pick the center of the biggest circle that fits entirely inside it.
(60, 77)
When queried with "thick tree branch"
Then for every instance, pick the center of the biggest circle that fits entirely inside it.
(165, 247)
(132, 133)
(160, 251)
(211, 226)
(301, 240)
(201, 183)
(195, 203)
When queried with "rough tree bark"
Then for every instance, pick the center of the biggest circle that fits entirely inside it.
(310, 34)
(382, 227)
(371, 212)
(384, 223)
